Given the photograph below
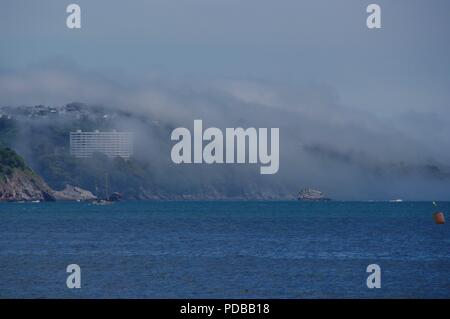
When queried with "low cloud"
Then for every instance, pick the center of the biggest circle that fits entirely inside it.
(323, 143)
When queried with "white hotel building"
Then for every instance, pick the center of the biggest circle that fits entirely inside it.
(112, 144)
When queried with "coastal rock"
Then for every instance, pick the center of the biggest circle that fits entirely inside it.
(309, 194)
(24, 186)
(73, 193)
(18, 182)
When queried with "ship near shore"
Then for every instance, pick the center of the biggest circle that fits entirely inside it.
(309, 194)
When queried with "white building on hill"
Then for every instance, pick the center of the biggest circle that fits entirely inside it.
(112, 144)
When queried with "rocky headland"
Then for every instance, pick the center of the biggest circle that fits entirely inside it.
(19, 183)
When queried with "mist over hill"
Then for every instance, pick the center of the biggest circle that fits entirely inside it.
(41, 134)
(345, 152)
(363, 114)
(349, 160)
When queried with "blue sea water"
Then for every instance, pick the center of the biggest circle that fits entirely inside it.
(224, 249)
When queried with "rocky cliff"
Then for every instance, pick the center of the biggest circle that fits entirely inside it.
(24, 185)
(19, 183)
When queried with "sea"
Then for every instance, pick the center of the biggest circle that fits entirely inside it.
(224, 249)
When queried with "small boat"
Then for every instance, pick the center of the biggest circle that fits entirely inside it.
(398, 200)
(106, 200)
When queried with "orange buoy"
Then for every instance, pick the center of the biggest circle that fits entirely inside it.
(439, 218)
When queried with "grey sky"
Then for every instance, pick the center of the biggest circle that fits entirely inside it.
(392, 69)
